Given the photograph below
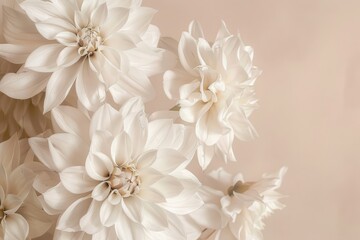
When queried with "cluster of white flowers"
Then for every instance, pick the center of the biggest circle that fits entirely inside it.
(81, 158)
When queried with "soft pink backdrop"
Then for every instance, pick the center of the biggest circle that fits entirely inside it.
(309, 115)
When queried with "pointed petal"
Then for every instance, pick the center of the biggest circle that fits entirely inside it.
(76, 180)
(90, 222)
(99, 166)
(110, 214)
(12, 224)
(121, 149)
(43, 59)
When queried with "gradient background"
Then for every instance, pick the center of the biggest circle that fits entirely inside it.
(309, 115)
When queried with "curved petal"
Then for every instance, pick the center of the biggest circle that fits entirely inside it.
(50, 27)
(23, 85)
(188, 53)
(90, 222)
(99, 166)
(125, 229)
(68, 56)
(15, 53)
(13, 223)
(121, 149)
(70, 220)
(101, 191)
(110, 214)
(43, 59)
(154, 218)
(71, 120)
(11, 203)
(89, 89)
(59, 198)
(133, 208)
(76, 180)
(168, 160)
(99, 15)
(139, 19)
(59, 86)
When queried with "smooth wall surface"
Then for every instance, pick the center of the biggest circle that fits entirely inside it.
(309, 96)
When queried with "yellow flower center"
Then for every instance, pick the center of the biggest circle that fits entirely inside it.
(239, 187)
(126, 180)
(89, 40)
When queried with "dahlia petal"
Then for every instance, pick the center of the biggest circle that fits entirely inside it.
(59, 86)
(205, 53)
(81, 20)
(67, 150)
(12, 224)
(205, 154)
(196, 30)
(114, 197)
(68, 56)
(70, 220)
(154, 218)
(187, 51)
(133, 208)
(11, 203)
(140, 19)
(68, 39)
(76, 180)
(151, 195)
(110, 214)
(105, 233)
(99, 166)
(168, 160)
(116, 18)
(59, 198)
(15, 53)
(125, 229)
(71, 120)
(23, 85)
(42, 58)
(90, 222)
(38, 10)
(121, 149)
(120, 41)
(88, 6)
(173, 80)
(60, 235)
(223, 32)
(50, 27)
(20, 182)
(225, 233)
(112, 57)
(208, 216)
(183, 206)
(99, 142)
(146, 159)
(99, 16)
(168, 186)
(90, 90)
(103, 120)
(101, 191)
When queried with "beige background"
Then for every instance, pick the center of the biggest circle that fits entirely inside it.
(309, 119)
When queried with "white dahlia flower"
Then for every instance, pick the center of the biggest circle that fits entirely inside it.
(98, 46)
(116, 175)
(245, 205)
(214, 89)
(21, 215)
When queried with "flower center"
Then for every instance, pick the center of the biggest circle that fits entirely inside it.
(239, 187)
(89, 40)
(126, 180)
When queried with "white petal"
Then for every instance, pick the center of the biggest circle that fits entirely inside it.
(99, 15)
(205, 154)
(43, 59)
(225, 233)
(121, 149)
(120, 41)
(195, 30)
(139, 19)
(59, 86)
(154, 218)
(125, 229)
(183, 206)
(151, 195)
(76, 180)
(68, 56)
(38, 11)
(70, 220)
(20, 182)
(188, 53)
(101, 191)
(71, 120)
(59, 198)
(23, 85)
(172, 82)
(90, 222)
(168, 186)
(99, 166)
(67, 38)
(114, 197)
(168, 160)
(100, 143)
(115, 20)
(60, 235)
(11, 203)
(110, 214)
(146, 159)
(50, 27)
(15, 53)
(133, 208)
(104, 118)
(13, 223)
(89, 89)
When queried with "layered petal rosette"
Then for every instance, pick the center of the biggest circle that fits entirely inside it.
(21, 215)
(244, 205)
(97, 46)
(213, 86)
(115, 175)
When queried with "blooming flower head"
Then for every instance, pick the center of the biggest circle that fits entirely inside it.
(117, 176)
(214, 89)
(21, 216)
(98, 46)
(246, 204)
